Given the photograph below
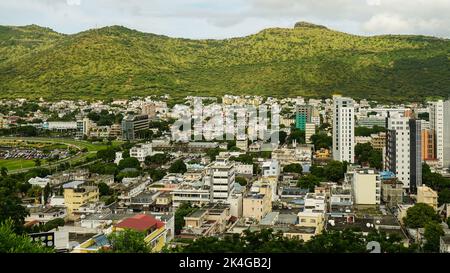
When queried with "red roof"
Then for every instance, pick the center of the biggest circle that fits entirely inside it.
(140, 222)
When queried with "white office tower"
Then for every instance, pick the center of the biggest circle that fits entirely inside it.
(222, 175)
(440, 125)
(398, 150)
(404, 150)
(343, 129)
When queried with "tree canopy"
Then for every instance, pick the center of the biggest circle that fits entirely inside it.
(268, 241)
(11, 242)
(178, 167)
(366, 155)
(129, 162)
(419, 215)
(321, 140)
(127, 241)
(308, 181)
(293, 168)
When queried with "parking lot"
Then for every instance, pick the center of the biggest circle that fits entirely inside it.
(29, 154)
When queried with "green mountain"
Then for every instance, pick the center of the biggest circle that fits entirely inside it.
(307, 60)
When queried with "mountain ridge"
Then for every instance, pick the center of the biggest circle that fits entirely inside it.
(308, 60)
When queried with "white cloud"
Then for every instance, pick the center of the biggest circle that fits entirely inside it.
(230, 18)
(374, 2)
(387, 23)
(73, 2)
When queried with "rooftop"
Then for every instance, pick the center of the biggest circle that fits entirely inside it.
(255, 196)
(73, 184)
(196, 214)
(140, 222)
(269, 219)
(107, 216)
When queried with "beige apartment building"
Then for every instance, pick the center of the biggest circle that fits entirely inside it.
(242, 145)
(313, 220)
(77, 194)
(378, 141)
(428, 196)
(366, 186)
(209, 220)
(256, 206)
(310, 130)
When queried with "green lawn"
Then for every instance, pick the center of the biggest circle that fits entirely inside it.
(16, 164)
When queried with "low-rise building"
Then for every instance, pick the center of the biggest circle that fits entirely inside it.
(45, 214)
(392, 192)
(119, 157)
(300, 154)
(244, 169)
(256, 206)
(271, 168)
(428, 196)
(242, 145)
(77, 194)
(141, 151)
(366, 186)
(155, 230)
(210, 220)
(133, 187)
(362, 139)
(315, 202)
(255, 147)
(145, 200)
(197, 193)
(164, 199)
(322, 154)
(298, 232)
(115, 131)
(314, 220)
(341, 203)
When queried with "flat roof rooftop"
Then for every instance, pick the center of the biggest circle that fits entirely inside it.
(73, 184)
(196, 214)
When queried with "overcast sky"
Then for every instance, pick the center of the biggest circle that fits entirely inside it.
(232, 18)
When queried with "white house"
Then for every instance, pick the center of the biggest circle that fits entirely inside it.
(141, 151)
(271, 168)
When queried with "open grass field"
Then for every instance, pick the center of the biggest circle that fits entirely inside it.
(16, 164)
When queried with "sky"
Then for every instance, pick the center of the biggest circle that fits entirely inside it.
(217, 19)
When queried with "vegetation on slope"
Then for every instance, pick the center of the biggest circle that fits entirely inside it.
(307, 60)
